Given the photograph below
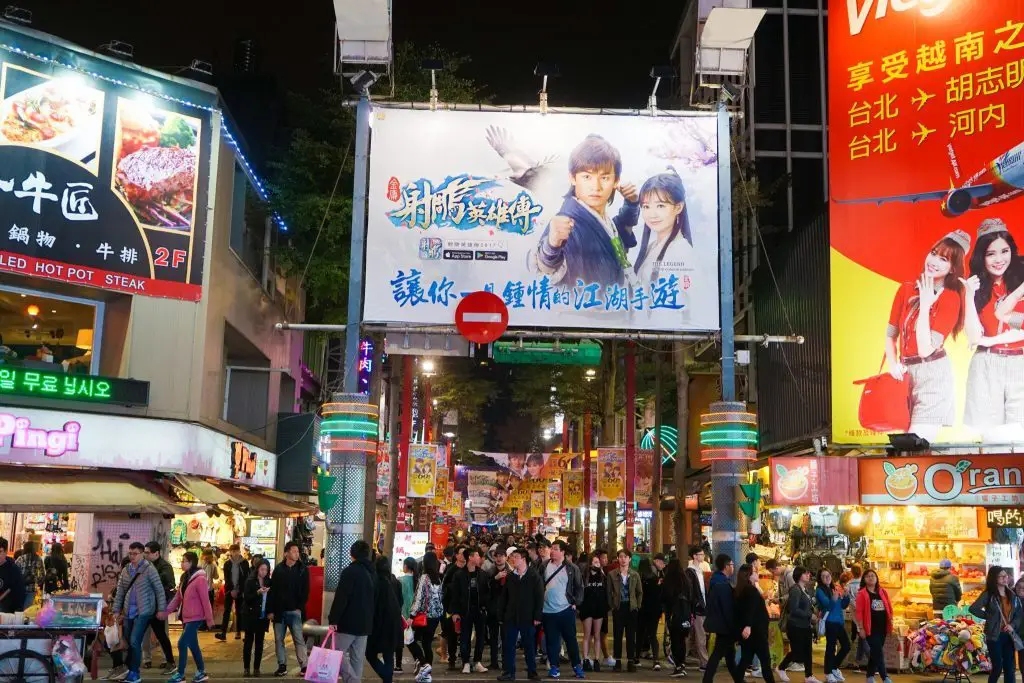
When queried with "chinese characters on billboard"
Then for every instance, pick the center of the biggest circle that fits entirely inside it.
(101, 185)
(926, 113)
(575, 221)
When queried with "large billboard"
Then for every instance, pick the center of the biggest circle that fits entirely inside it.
(926, 149)
(103, 171)
(585, 221)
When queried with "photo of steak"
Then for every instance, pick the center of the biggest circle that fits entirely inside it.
(153, 174)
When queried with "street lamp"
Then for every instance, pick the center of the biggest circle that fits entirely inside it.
(427, 367)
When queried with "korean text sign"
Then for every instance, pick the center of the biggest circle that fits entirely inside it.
(927, 176)
(101, 185)
(606, 222)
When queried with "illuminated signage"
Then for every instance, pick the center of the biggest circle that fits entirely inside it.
(243, 461)
(16, 381)
(365, 365)
(1005, 518)
(53, 442)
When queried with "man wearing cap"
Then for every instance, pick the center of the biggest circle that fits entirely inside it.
(924, 314)
(944, 587)
(497, 576)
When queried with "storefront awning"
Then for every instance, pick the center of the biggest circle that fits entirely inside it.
(53, 490)
(246, 500)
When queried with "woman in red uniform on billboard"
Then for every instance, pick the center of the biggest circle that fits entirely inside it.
(913, 343)
(995, 380)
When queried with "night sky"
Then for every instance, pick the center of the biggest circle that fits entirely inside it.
(604, 48)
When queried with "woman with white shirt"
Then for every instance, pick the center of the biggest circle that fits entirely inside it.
(667, 244)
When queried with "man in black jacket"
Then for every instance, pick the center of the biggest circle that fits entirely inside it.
(451, 638)
(498, 575)
(159, 626)
(720, 618)
(289, 588)
(236, 571)
(351, 613)
(521, 605)
(12, 583)
(469, 609)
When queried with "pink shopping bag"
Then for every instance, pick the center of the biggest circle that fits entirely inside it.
(324, 662)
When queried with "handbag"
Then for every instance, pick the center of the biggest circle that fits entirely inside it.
(1018, 643)
(324, 664)
(420, 620)
(884, 403)
(821, 626)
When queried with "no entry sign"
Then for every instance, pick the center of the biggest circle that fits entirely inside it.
(481, 317)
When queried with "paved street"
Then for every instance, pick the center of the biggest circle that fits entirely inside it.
(224, 663)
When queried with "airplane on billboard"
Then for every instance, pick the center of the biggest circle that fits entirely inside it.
(1000, 181)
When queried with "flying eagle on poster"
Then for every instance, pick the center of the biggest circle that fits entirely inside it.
(1000, 181)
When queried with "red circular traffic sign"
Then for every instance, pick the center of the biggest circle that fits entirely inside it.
(481, 317)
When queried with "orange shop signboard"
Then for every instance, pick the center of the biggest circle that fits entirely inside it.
(946, 480)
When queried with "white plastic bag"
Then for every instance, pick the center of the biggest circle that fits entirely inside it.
(409, 636)
(112, 637)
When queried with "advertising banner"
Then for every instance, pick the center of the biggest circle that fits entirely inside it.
(643, 486)
(979, 480)
(101, 185)
(383, 471)
(611, 474)
(553, 498)
(813, 481)
(926, 176)
(537, 504)
(441, 488)
(603, 222)
(408, 544)
(572, 489)
(422, 471)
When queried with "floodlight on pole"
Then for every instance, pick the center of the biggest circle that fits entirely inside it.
(658, 73)
(544, 70)
(722, 50)
(433, 66)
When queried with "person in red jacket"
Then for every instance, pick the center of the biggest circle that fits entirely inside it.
(874, 623)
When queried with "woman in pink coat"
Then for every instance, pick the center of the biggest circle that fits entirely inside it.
(193, 601)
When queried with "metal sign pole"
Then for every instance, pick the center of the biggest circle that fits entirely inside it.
(356, 257)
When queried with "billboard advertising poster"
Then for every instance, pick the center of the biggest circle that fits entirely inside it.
(611, 474)
(980, 480)
(812, 481)
(553, 498)
(101, 185)
(572, 489)
(589, 221)
(643, 485)
(926, 183)
(422, 471)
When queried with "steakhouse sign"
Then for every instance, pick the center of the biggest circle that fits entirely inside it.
(954, 480)
(100, 184)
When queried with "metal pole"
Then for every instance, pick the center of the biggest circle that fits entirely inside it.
(403, 445)
(616, 336)
(587, 442)
(630, 516)
(656, 521)
(726, 475)
(355, 269)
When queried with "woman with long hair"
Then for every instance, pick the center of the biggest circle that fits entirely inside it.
(679, 594)
(56, 567)
(593, 611)
(386, 634)
(995, 380)
(666, 236)
(651, 608)
(426, 612)
(799, 627)
(874, 623)
(1001, 609)
(193, 601)
(924, 314)
(833, 601)
(255, 599)
(410, 577)
(752, 625)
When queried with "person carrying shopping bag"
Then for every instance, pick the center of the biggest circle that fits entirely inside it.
(832, 601)
(874, 623)
(1001, 609)
(193, 603)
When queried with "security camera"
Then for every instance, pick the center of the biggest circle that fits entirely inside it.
(730, 91)
(364, 80)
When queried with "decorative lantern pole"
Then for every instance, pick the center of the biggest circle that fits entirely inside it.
(728, 438)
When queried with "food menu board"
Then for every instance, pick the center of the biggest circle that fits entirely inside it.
(105, 171)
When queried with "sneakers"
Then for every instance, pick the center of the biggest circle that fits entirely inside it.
(467, 669)
(200, 677)
(281, 671)
(116, 674)
(795, 667)
(597, 666)
(587, 666)
(176, 678)
(302, 672)
(578, 670)
(811, 679)
(831, 679)
(782, 675)
(479, 668)
(839, 675)
(132, 677)
(169, 669)
(679, 672)
(553, 672)
(423, 675)
(657, 666)
(610, 662)
(221, 637)
(870, 679)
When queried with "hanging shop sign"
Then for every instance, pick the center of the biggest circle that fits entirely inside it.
(572, 489)
(1004, 518)
(611, 474)
(925, 120)
(101, 185)
(27, 382)
(643, 487)
(539, 235)
(814, 481)
(31, 436)
(422, 470)
(979, 480)
(553, 498)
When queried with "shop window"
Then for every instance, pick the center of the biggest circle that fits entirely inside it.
(43, 331)
(250, 229)
(248, 384)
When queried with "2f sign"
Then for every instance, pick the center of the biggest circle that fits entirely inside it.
(860, 10)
